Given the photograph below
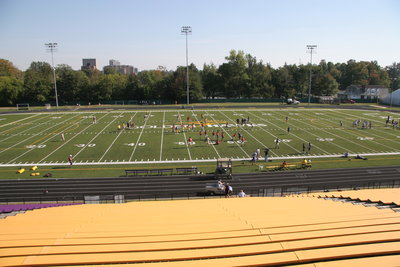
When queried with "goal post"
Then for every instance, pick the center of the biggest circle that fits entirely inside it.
(119, 102)
(23, 106)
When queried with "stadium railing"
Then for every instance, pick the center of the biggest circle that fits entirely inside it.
(259, 192)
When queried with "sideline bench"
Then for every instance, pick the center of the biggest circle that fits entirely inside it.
(135, 172)
(189, 170)
(161, 171)
(149, 171)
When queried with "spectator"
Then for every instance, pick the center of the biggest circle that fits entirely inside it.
(241, 194)
(228, 190)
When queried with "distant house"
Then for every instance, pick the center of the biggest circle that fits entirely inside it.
(364, 92)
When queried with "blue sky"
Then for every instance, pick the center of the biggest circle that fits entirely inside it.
(146, 33)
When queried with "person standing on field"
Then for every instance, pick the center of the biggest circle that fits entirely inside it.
(266, 151)
(277, 141)
(70, 160)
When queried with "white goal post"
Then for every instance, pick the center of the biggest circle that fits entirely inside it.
(23, 106)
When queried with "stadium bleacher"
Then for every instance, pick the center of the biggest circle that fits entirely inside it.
(301, 230)
(33, 206)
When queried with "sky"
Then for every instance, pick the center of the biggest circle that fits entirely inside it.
(147, 33)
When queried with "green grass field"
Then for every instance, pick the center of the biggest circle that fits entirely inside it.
(28, 139)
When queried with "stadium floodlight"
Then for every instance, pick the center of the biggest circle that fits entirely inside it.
(187, 30)
(310, 49)
(52, 47)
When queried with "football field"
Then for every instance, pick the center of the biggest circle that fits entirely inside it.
(158, 136)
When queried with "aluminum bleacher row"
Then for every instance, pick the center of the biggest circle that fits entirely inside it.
(383, 195)
(33, 206)
(297, 230)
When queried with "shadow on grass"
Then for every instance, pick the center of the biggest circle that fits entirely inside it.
(61, 167)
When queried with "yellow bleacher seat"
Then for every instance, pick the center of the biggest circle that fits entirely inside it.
(205, 232)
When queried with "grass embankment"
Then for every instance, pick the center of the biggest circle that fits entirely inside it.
(209, 167)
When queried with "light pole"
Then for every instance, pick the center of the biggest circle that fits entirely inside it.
(52, 47)
(187, 30)
(310, 49)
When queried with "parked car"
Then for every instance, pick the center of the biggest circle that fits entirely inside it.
(214, 189)
(291, 101)
(349, 101)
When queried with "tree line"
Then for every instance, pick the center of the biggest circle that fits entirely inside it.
(241, 76)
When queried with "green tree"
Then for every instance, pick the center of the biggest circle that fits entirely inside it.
(211, 80)
(325, 85)
(355, 73)
(301, 79)
(38, 82)
(234, 77)
(175, 86)
(71, 85)
(260, 79)
(283, 81)
(377, 75)
(393, 72)
(111, 86)
(8, 69)
(10, 90)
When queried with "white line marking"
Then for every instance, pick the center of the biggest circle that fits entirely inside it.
(184, 136)
(162, 136)
(115, 139)
(18, 121)
(30, 138)
(215, 149)
(137, 142)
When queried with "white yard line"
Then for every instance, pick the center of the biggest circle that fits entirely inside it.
(26, 127)
(341, 137)
(162, 135)
(184, 136)
(26, 152)
(215, 149)
(269, 122)
(377, 129)
(83, 148)
(70, 139)
(34, 135)
(229, 136)
(137, 141)
(115, 139)
(190, 161)
(18, 121)
(330, 133)
(240, 126)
